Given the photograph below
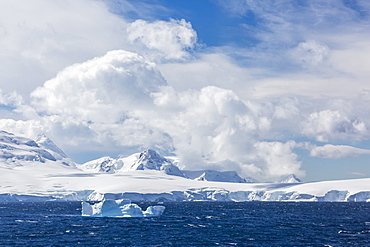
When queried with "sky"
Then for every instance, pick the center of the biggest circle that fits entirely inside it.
(265, 88)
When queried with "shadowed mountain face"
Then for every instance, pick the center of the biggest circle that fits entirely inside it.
(151, 160)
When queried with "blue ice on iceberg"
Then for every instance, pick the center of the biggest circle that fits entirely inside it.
(119, 208)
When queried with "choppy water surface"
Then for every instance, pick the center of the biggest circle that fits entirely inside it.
(189, 224)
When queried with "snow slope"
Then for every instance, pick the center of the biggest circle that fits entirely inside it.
(63, 184)
(29, 171)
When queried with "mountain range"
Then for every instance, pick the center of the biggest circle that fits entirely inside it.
(39, 170)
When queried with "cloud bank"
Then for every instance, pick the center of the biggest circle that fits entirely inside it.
(121, 99)
(337, 151)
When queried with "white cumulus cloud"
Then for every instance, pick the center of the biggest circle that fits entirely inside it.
(170, 40)
(213, 127)
(328, 124)
(100, 90)
(277, 159)
(99, 100)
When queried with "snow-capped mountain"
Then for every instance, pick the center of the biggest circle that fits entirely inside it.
(103, 164)
(146, 160)
(216, 176)
(151, 160)
(291, 178)
(110, 165)
(14, 149)
(27, 167)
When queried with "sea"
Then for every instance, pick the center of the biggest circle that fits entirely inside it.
(190, 224)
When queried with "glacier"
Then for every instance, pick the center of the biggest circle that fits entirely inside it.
(37, 170)
(119, 208)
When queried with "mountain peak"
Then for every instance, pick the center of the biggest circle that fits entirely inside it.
(146, 160)
(291, 178)
(41, 137)
(151, 160)
(45, 142)
(150, 153)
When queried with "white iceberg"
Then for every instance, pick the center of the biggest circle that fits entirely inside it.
(119, 208)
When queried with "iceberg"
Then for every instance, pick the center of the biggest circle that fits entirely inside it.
(119, 208)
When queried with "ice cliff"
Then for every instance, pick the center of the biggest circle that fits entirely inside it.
(219, 194)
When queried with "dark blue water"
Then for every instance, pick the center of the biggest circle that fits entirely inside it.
(190, 224)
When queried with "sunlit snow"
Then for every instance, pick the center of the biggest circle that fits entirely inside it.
(32, 172)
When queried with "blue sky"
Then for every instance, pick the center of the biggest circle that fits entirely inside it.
(266, 88)
(215, 26)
